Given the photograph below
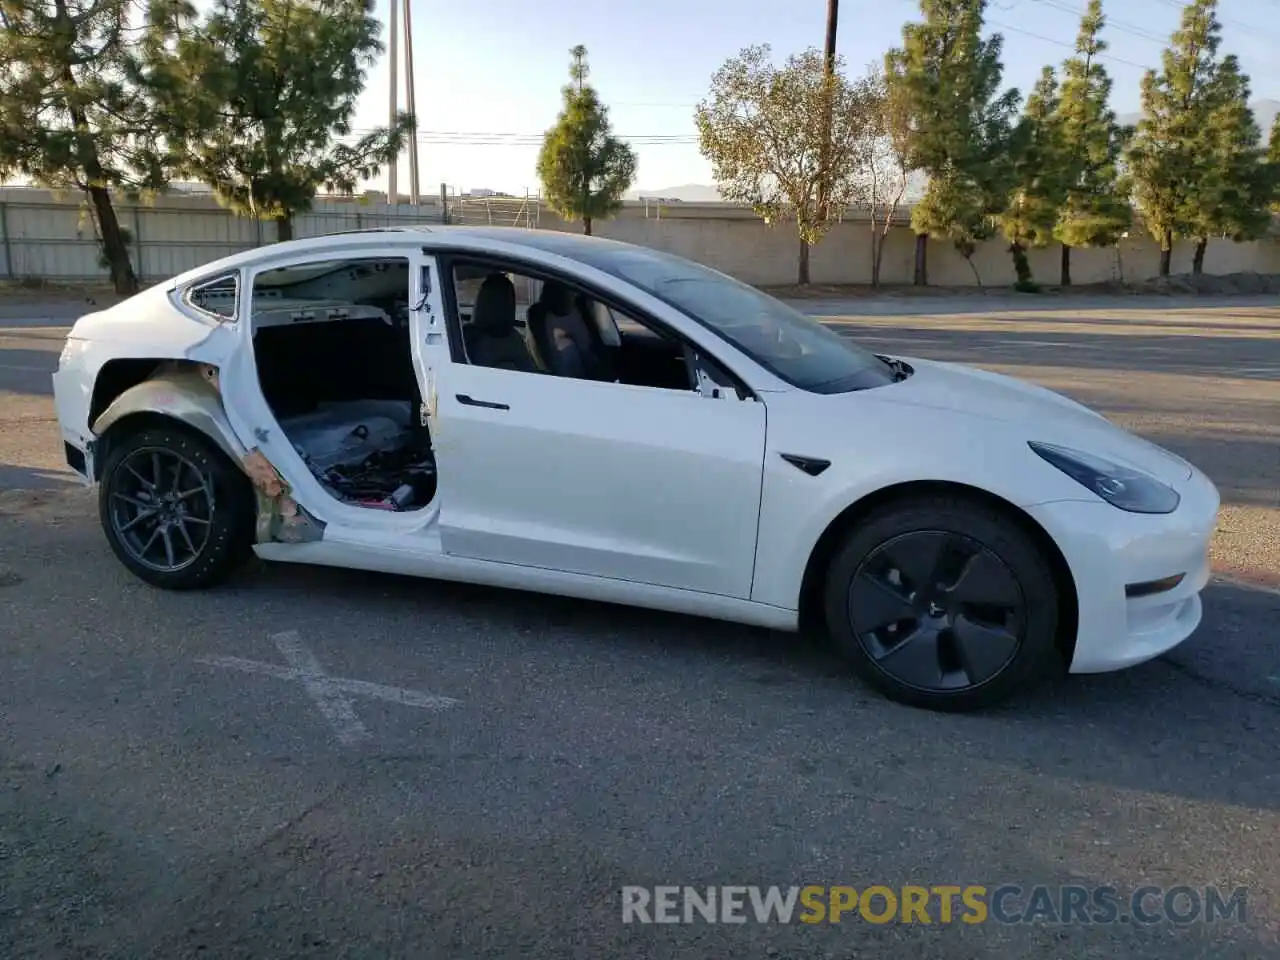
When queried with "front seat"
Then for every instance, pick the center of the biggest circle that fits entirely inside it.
(491, 338)
(563, 336)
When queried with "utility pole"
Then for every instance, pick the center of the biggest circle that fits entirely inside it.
(393, 189)
(414, 197)
(833, 14)
(829, 73)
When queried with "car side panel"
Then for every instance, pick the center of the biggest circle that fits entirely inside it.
(147, 327)
(873, 444)
(634, 483)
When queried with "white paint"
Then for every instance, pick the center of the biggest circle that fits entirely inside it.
(609, 487)
(330, 694)
(649, 497)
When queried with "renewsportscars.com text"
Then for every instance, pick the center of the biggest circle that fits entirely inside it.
(941, 904)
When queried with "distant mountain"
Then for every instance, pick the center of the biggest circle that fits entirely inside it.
(685, 193)
(1264, 111)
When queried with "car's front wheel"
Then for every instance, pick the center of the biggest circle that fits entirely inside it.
(943, 602)
(175, 510)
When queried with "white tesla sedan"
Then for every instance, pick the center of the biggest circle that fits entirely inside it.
(550, 412)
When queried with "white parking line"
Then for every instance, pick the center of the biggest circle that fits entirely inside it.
(330, 694)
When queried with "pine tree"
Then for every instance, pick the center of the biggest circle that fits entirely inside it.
(1231, 196)
(1273, 167)
(583, 167)
(1037, 194)
(1095, 210)
(948, 77)
(73, 114)
(259, 95)
(1169, 155)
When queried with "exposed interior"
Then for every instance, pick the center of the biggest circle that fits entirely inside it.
(334, 362)
(517, 321)
(332, 347)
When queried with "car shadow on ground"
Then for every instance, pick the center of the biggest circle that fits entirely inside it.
(636, 748)
(27, 371)
(1217, 694)
(35, 478)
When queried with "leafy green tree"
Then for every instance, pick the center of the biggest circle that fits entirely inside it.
(762, 129)
(73, 115)
(583, 167)
(1169, 156)
(1095, 211)
(882, 171)
(1036, 198)
(1232, 195)
(261, 93)
(948, 77)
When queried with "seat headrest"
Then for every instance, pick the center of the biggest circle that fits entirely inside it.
(556, 297)
(495, 307)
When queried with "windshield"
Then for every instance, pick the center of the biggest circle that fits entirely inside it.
(796, 348)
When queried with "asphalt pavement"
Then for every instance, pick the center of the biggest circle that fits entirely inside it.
(321, 763)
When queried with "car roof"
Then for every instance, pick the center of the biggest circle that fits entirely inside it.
(574, 246)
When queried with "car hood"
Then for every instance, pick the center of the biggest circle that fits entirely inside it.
(1034, 412)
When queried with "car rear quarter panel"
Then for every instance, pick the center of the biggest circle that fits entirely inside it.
(147, 327)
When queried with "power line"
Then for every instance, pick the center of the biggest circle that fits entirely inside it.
(1063, 43)
(1180, 5)
(1113, 24)
(489, 138)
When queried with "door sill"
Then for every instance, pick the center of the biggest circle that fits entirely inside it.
(345, 548)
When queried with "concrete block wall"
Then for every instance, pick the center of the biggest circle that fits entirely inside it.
(44, 236)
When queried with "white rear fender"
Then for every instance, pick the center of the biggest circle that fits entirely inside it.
(189, 394)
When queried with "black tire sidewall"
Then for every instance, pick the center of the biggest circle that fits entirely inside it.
(230, 530)
(1037, 654)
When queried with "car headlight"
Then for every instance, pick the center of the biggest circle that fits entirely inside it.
(1121, 486)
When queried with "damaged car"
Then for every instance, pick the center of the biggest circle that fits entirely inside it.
(550, 412)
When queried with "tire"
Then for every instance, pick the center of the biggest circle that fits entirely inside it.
(213, 522)
(943, 582)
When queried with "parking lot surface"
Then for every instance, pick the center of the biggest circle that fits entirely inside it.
(317, 763)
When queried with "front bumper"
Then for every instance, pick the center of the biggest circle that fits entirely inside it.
(1109, 550)
(72, 395)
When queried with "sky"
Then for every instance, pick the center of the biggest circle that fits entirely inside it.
(488, 73)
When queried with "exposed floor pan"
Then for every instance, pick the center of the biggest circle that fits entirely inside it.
(368, 453)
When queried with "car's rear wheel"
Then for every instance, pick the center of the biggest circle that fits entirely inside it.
(943, 602)
(175, 510)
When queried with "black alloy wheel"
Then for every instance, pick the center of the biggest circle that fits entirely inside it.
(943, 603)
(161, 508)
(174, 508)
(936, 610)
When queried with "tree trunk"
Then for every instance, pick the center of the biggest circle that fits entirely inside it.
(114, 247)
(284, 228)
(977, 277)
(1021, 266)
(1066, 265)
(1166, 253)
(922, 266)
(877, 257)
(586, 226)
(1197, 261)
(803, 277)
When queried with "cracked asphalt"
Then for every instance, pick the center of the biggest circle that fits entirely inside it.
(156, 802)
